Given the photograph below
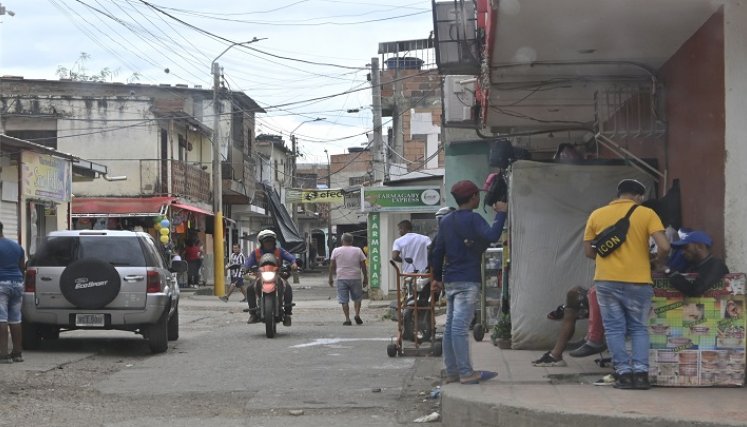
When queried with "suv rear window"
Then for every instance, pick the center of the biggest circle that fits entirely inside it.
(60, 251)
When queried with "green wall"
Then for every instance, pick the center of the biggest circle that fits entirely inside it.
(467, 160)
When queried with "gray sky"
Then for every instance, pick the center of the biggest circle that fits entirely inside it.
(132, 36)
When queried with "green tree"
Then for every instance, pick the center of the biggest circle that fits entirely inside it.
(79, 72)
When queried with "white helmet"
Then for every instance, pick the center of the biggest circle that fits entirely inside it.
(444, 211)
(266, 234)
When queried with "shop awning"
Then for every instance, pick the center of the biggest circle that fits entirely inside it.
(290, 238)
(119, 206)
(188, 207)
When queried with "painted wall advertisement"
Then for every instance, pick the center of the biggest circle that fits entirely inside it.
(44, 177)
(698, 342)
(374, 250)
(299, 195)
(400, 199)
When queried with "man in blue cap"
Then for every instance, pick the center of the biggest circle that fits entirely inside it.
(696, 249)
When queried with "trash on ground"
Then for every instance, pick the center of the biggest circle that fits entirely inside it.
(436, 392)
(376, 390)
(432, 417)
(296, 412)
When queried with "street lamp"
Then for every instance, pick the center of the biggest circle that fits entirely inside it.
(219, 282)
(294, 148)
(4, 11)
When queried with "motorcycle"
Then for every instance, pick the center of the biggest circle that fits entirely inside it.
(270, 285)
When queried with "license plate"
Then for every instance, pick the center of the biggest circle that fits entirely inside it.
(89, 320)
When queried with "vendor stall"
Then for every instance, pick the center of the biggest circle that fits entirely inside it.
(698, 341)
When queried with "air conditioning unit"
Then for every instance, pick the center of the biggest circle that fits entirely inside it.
(457, 42)
(460, 108)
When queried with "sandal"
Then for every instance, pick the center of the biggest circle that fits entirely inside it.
(358, 320)
(16, 357)
(347, 323)
(556, 314)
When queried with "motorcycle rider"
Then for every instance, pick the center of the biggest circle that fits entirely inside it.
(267, 240)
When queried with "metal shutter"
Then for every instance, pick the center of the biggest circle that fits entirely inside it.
(9, 218)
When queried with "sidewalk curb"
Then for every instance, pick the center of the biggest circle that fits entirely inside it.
(456, 410)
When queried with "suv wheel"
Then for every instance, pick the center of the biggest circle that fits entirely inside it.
(30, 337)
(173, 326)
(90, 283)
(158, 336)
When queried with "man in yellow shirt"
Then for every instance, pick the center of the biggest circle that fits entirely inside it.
(623, 280)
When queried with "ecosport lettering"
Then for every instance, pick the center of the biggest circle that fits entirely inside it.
(83, 283)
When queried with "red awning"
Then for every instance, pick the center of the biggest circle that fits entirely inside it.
(191, 208)
(120, 206)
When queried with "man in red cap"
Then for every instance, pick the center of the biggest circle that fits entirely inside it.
(462, 238)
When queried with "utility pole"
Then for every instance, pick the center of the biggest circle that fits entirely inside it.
(379, 159)
(4, 11)
(329, 209)
(219, 287)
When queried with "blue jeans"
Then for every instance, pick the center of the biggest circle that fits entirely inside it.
(625, 310)
(460, 309)
(11, 298)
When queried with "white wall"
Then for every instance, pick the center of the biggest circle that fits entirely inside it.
(422, 124)
(735, 85)
(389, 233)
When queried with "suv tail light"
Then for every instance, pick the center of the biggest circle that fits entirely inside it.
(154, 282)
(30, 282)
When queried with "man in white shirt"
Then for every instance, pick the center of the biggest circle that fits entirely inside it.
(411, 246)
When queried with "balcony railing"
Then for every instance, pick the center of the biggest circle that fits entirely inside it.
(176, 178)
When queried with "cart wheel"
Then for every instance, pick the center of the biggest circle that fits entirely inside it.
(391, 350)
(478, 332)
(437, 349)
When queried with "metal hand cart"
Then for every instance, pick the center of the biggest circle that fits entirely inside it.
(415, 322)
(487, 313)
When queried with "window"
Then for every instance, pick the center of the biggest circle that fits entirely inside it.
(358, 180)
(47, 138)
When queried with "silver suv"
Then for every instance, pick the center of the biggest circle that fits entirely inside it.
(101, 280)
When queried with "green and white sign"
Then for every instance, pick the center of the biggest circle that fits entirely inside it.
(400, 199)
(374, 250)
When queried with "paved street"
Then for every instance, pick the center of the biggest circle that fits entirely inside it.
(224, 372)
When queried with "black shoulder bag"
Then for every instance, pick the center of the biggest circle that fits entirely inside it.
(613, 236)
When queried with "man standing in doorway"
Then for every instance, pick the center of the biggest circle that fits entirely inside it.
(457, 254)
(623, 280)
(11, 295)
(411, 249)
(349, 262)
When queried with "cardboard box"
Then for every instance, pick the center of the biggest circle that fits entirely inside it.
(698, 342)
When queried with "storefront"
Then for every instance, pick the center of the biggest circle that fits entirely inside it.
(36, 189)
(386, 207)
(186, 221)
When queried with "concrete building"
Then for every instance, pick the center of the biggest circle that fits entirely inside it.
(155, 138)
(36, 189)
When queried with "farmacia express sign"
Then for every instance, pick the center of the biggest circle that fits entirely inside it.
(400, 199)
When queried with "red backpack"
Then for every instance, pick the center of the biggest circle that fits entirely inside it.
(258, 255)
(496, 189)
